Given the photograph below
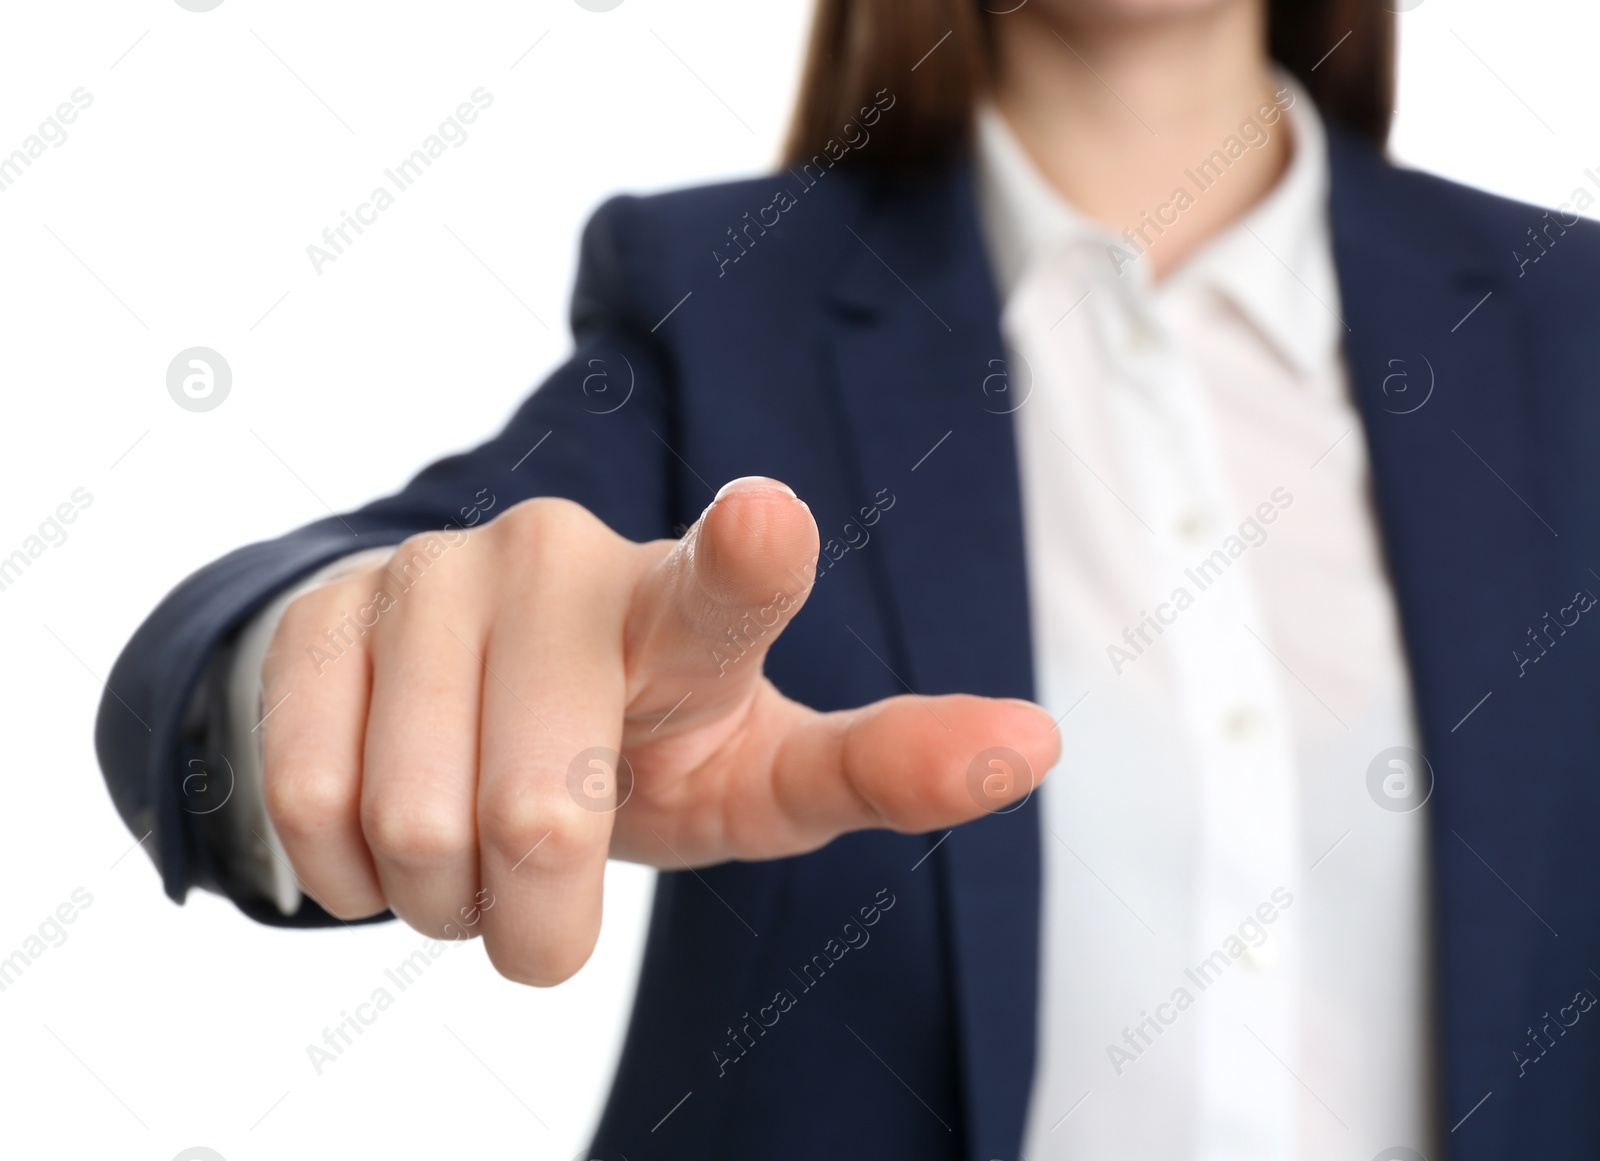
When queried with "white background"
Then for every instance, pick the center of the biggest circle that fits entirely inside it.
(177, 213)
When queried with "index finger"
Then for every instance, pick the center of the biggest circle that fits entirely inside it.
(704, 617)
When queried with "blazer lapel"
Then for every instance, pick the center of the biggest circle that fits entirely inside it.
(917, 362)
(1471, 558)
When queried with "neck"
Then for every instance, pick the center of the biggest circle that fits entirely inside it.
(1119, 115)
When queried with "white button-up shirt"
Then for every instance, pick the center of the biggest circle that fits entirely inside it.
(1234, 929)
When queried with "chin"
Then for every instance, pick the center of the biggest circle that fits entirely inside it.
(1117, 11)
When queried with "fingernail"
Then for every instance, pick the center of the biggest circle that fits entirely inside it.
(1033, 705)
(753, 484)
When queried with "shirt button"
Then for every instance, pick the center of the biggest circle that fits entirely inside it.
(1142, 336)
(1241, 723)
(1262, 958)
(1191, 525)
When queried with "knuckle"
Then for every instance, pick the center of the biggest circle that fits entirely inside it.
(414, 833)
(549, 832)
(560, 550)
(301, 614)
(536, 528)
(302, 619)
(305, 803)
(314, 627)
(418, 556)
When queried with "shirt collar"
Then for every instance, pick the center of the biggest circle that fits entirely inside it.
(1275, 264)
(1024, 219)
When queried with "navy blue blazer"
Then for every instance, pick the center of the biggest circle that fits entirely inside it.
(843, 344)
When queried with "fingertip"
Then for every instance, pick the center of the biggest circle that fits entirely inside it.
(1010, 746)
(1036, 729)
(1032, 708)
(938, 761)
(755, 535)
(753, 484)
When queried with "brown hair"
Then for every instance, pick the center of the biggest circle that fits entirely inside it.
(860, 47)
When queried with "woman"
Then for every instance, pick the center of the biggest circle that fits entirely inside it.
(1084, 354)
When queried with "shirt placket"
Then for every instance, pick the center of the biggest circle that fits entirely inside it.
(1204, 614)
